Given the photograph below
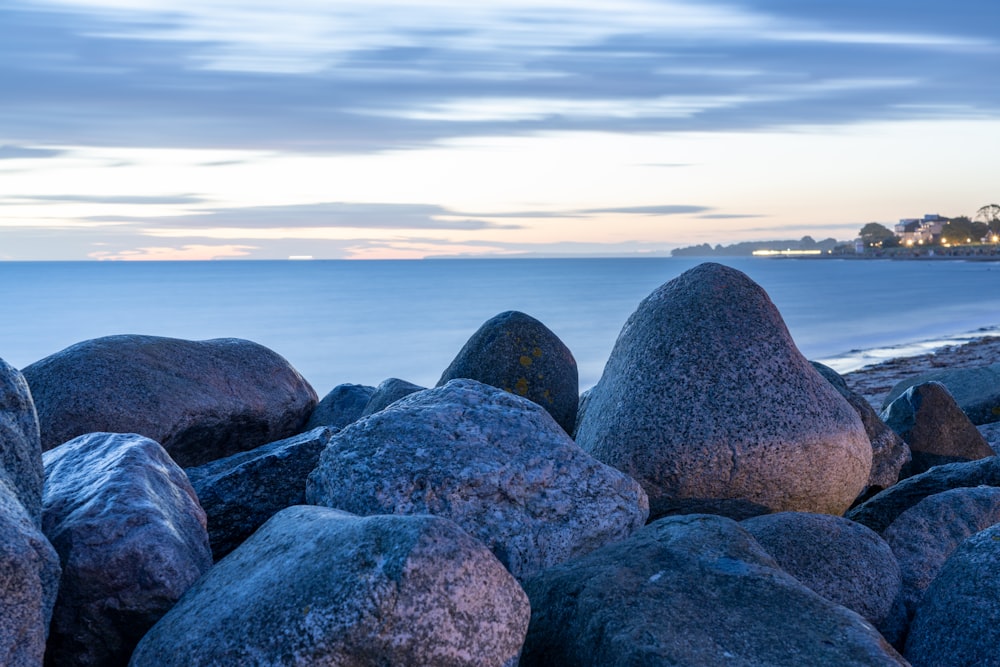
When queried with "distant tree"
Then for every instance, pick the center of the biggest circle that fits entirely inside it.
(990, 214)
(874, 234)
(962, 230)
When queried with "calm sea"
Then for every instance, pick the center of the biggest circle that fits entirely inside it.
(362, 322)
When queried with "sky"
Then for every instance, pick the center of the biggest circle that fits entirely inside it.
(253, 129)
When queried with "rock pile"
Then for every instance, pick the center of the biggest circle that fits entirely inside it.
(462, 525)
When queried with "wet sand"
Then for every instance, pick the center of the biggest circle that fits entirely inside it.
(874, 382)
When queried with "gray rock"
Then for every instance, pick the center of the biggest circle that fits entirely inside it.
(843, 561)
(958, 620)
(935, 428)
(889, 452)
(131, 538)
(496, 464)
(343, 405)
(29, 581)
(705, 397)
(388, 392)
(240, 492)
(991, 434)
(201, 400)
(924, 536)
(519, 354)
(692, 590)
(976, 390)
(881, 510)
(316, 586)
(20, 445)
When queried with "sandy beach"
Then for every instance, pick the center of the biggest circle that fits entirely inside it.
(874, 382)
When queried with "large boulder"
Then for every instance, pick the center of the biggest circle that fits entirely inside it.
(881, 510)
(889, 452)
(843, 561)
(344, 404)
(386, 393)
(496, 464)
(29, 581)
(316, 586)
(693, 590)
(976, 390)
(519, 354)
(131, 538)
(707, 402)
(925, 536)
(240, 492)
(935, 428)
(20, 443)
(201, 400)
(958, 621)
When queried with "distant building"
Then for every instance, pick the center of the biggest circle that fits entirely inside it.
(920, 231)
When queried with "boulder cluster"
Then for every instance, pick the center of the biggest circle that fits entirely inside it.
(714, 499)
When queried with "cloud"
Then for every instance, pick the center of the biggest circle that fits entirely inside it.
(27, 153)
(115, 199)
(730, 216)
(669, 209)
(166, 253)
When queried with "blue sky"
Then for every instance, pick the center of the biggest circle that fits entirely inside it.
(163, 129)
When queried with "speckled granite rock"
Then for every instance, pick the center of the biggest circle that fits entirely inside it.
(975, 390)
(935, 428)
(316, 586)
(958, 621)
(343, 405)
(20, 444)
(494, 463)
(131, 538)
(240, 492)
(201, 400)
(692, 590)
(519, 354)
(386, 393)
(705, 397)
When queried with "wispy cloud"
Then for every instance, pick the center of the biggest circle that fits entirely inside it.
(27, 153)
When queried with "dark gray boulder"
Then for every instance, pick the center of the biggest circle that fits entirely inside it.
(881, 510)
(924, 536)
(843, 561)
(388, 392)
(344, 404)
(496, 464)
(316, 586)
(519, 354)
(240, 492)
(976, 390)
(889, 452)
(958, 620)
(935, 428)
(20, 444)
(693, 590)
(991, 434)
(131, 538)
(201, 400)
(29, 581)
(706, 401)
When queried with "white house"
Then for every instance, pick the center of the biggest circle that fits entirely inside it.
(918, 231)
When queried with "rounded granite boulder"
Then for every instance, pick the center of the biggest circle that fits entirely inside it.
(519, 354)
(706, 401)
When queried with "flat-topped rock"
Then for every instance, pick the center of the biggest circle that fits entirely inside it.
(201, 400)
(706, 398)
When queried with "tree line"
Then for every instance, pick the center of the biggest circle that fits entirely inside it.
(960, 230)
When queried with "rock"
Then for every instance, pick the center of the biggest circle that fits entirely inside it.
(924, 536)
(519, 354)
(991, 434)
(316, 586)
(496, 464)
(935, 428)
(958, 621)
(20, 444)
(843, 561)
(388, 392)
(29, 581)
(889, 452)
(343, 405)
(975, 390)
(240, 492)
(693, 590)
(706, 398)
(881, 510)
(131, 538)
(201, 400)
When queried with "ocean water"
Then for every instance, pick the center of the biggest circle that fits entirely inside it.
(362, 322)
